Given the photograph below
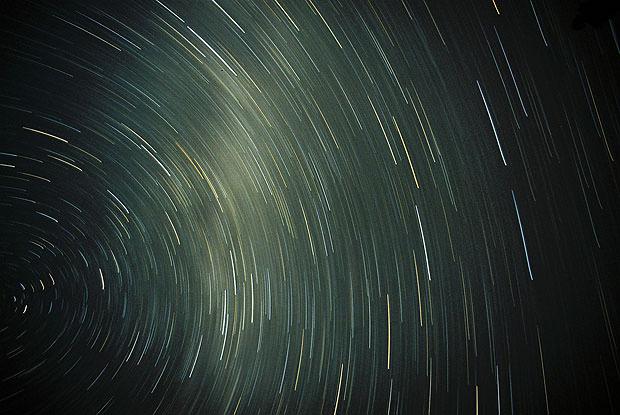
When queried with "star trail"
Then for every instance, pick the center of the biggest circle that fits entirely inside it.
(309, 207)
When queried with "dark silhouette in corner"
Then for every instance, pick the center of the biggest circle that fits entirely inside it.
(595, 13)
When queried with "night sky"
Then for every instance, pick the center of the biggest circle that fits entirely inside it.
(309, 207)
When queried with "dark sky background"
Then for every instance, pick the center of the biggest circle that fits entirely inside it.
(309, 207)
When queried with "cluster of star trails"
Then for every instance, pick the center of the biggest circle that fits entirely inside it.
(271, 207)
